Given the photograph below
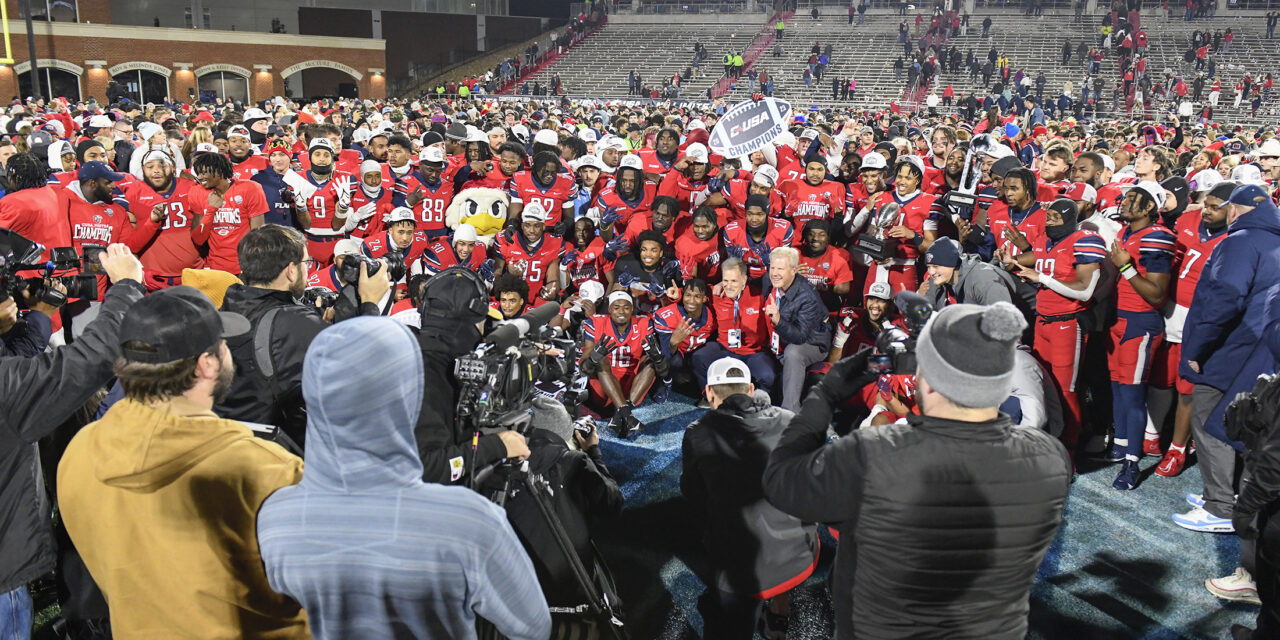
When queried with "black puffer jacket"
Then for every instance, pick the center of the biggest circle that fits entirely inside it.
(36, 395)
(802, 315)
(942, 523)
(754, 546)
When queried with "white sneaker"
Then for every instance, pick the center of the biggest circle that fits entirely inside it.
(1198, 519)
(1237, 587)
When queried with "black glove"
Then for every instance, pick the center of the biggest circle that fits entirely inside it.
(591, 365)
(845, 378)
(653, 351)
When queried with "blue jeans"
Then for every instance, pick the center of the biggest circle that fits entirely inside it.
(15, 614)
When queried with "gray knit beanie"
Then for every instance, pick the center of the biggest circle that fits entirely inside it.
(966, 352)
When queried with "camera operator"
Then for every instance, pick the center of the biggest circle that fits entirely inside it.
(757, 551)
(918, 501)
(40, 393)
(273, 260)
(453, 312)
(581, 490)
(27, 336)
(31, 206)
(419, 560)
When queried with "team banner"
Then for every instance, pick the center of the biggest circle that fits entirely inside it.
(748, 126)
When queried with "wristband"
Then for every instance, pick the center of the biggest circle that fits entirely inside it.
(1129, 273)
(1126, 267)
(917, 240)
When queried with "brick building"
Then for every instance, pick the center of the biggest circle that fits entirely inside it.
(79, 59)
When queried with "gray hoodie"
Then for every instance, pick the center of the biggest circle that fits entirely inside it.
(367, 548)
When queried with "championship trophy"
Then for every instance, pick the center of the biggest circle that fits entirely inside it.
(876, 242)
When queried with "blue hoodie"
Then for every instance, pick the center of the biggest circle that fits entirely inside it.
(362, 543)
(1226, 326)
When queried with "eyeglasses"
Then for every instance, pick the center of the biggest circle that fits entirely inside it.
(308, 264)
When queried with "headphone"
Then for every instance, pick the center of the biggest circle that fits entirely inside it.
(478, 305)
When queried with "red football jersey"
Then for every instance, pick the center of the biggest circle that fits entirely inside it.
(735, 191)
(655, 164)
(323, 203)
(625, 360)
(440, 255)
(689, 193)
(698, 258)
(1030, 222)
(588, 264)
(1194, 244)
(779, 235)
(533, 261)
(524, 188)
(1059, 262)
(805, 202)
(436, 200)
(223, 227)
(102, 224)
(740, 323)
(1152, 251)
(35, 214)
(915, 213)
(609, 197)
(668, 318)
(249, 167)
(381, 198)
(171, 250)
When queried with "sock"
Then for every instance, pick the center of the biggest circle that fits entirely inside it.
(1151, 433)
(1131, 409)
(1177, 447)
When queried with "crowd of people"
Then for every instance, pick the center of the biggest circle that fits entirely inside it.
(1081, 306)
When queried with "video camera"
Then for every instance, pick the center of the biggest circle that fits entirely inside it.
(501, 377)
(18, 254)
(895, 350)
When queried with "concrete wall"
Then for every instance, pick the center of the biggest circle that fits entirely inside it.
(256, 15)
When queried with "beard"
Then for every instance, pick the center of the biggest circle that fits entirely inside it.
(222, 385)
(299, 286)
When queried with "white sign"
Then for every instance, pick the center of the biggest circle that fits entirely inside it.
(748, 126)
(322, 64)
(140, 66)
(226, 68)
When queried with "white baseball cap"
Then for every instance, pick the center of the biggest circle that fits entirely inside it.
(475, 135)
(880, 290)
(99, 122)
(399, 214)
(533, 212)
(520, 131)
(587, 135)
(1151, 188)
(432, 155)
(611, 142)
(465, 233)
(320, 143)
(728, 370)
(1108, 162)
(589, 160)
(205, 147)
(591, 290)
(1205, 180)
(695, 125)
(873, 160)
(254, 113)
(765, 175)
(1247, 174)
(697, 152)
(809, 134)
(631, 161)
(547, 136)
(238, 131)
(348, 247)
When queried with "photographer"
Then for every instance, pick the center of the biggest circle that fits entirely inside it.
(27, 336)
(453, 311)
(274, 259)
(757, 551)
(918, 501)
(40, 393)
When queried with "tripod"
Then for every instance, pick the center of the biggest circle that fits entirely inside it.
(598, 608)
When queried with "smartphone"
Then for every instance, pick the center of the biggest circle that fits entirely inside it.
(880, 364)
(91, 260)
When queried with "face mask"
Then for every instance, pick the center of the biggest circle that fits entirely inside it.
(1057, 232)
(322, 170)
(756, 230)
